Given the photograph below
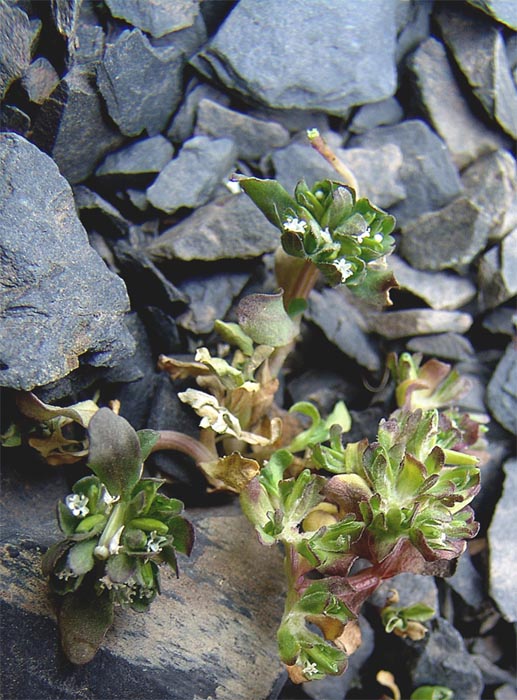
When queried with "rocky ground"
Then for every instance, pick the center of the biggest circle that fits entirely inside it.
(121, 122)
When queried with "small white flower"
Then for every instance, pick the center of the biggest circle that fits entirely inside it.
(65, 574)
(114, 544)
(77, 504)
(294, 225)
(107, 498)
(344, 268)
(378, 238)
(310, 669)
(155, 542)
(325, 235)
(106, 582)
(363, 235)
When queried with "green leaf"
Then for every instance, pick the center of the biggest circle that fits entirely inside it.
(264, 319)
(318, 432)
(34, 408)
(67, 521)
(115, 454)
(374, 287)
(120, 567)
(84, 619)
(80, 557)
(256, 506)
(270, 197)
(432, 692)
(273, 472)
(147, 440)
(339, 416)
(52, 556)
(233, 334)
(300, 495)
(182, 533)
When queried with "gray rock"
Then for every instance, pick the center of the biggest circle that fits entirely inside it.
(427, 173)
(210, 297)
(307, 73)
(492, 673)
(65, 14)
(369, 116)
(14, 119)
(15, 44)
(501, 533)
(294, 120)
(90, 41)
(491, 183)
(253, 137)
(142, 85)
(410, 588)
(502, 390)
(60, 302)
(98, 214)
(479, 50)
(413, 26)
(443, 239)
(440, 290)
(377, 172)
(501, 10)
(507, 691)
(502, 320)
(157, 18)
(467, 582)
(497, 273)
(137, 198)
(72, 128)
(146, 156)
(182, 125)
(322, 387)
(444, 660)
(466, 136)
(215, 232)
(191, 178)
(447, 346)
(403, 324)
(39, 80)
(344, 325)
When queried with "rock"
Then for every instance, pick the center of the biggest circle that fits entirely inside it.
(502, 320)
(447, 346)
(322, 387)
(492, 673)
(294, 120)
(343, 325)
(466, 136)
(427, 173)
(162, 331)
(491, 184)
(445, 238)
(209, 633)
(370, 116)
(182, 125)
(140, 158)
(214, 232)
(39, 80)
(468, 36)
(90, 42)
(142, 84)
(61, 305)
(15, 44)
(502, 390)
(98, 214)
(507, 691)
(501, 10)
(497, 273)
(65, 14)
(445, 661)
(137, 198)
(411, 589)
(467, 582)
(413, 25)
(157, 18)
(14, 119)
(210, 298)
(307, 74)
(501, 533)
(440, 290)
(190, 179)
(253, 138)
(72, 128)
(402, 324)
(377, 172)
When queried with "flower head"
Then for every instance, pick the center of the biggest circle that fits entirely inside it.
(155, 542)
(344, 268)
(294, 225)
(77, 503)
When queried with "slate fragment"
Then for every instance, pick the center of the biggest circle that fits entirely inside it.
(447, 346)
(502, 320)
(65, 14)
(465, 135)
(467, 582)
(428, 174)
(501, 10)
(98, 214)
(369, 116)
(158, 17)
(61, 306)
(146, 156)
(182, 124)
(72, 127)
(141, 84)
(413, 26)
(411, 589)
(229, 227)
(15, 43)
(501, 394)
(14, 119)
(39, 80)
(190, 179)
(497, 273)
(307, 74)
(402, 324)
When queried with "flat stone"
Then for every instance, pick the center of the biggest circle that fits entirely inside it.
(294, 120)
(467, 582)
(14, 119)
(72, 128)
(427, 173)
(447, 346)
(414, 26)
(190, 179)
(369, 116)
(377, 172)
(479, 50)
(65, 14)
(98, 214)
(501, 10)
(182, 125)
(253, 138)
(502, 390)
(90, 41)
(403, 324)
(61, 305)
(322, 387)
(465, 135)
(210, 297)
(497, 273)
(410, 588)
(157, 18)
(444, 660)
(506, 691)
(446, 238)
(491, 183)
(502, 320)
(308, 73)
(502, 532)
(15, 44)
(440, 290)
(343, 325)
(142, 157)
(142, 84)
(39, 80)
(214, 232)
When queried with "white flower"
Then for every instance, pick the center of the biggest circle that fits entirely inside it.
(107, 498)
(378, 238)
(363, 235)
(325, 235)
(155, 542)
(344, 268)
(310, 669)
(294, 225)
(77, 504)
(114, 544)
(65, 574)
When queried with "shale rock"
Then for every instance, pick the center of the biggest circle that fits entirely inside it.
(497, 273)
(142, 157)
(15, 44)
(369, 116)
(401, 324)
(98, 214)
(39, 80)
(157, 18)
(447, 346)
(502, 11)
(182, 125)
(502, 390)
(60, 303)
(14, 119)
(467, 582)
(308, 72)
(501, 320)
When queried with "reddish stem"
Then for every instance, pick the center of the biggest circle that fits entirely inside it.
(172, 440)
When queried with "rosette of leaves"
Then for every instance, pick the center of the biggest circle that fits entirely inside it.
(118, 531)
(345, 238)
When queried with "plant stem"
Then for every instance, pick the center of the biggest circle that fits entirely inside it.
(319, 143)
(173, 440)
